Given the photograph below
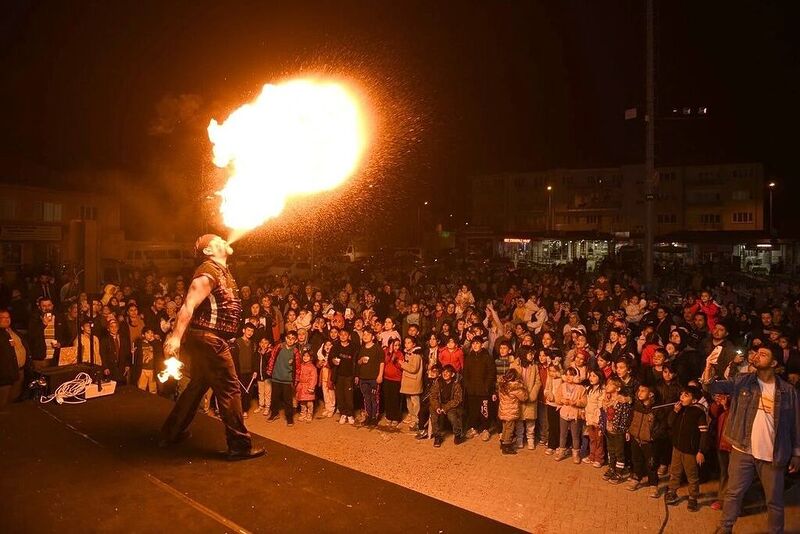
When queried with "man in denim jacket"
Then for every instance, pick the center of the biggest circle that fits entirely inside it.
(764, 429)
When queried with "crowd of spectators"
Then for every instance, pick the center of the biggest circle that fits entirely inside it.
(588, 367)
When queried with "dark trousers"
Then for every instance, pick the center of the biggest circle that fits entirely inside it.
(424, 414)
(391, 400)
(478, 412)
(371, 392)
(644, 462)
(12, 392)
(456, 418)
(663, 450)
(553, 427)
(282, 397)
(211, 367)
(742, 470)
(344, 395)
(616, 450)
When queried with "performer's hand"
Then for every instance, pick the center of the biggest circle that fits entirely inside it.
(700, 458)
(172, 345)
(255, 374)
(356, 381)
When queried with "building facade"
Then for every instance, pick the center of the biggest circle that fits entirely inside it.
(47, 226)
(611, 199)
(560, 214)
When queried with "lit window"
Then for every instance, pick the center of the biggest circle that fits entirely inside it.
(51, 212)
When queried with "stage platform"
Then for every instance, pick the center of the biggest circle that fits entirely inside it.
(96, 467)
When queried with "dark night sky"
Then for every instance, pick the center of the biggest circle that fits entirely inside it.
(461, 87)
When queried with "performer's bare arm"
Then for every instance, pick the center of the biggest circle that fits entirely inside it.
(198, 292)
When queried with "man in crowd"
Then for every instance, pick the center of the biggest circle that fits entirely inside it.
(763, 428)
(155, 314)
(46, 334)
(13, 357)
(719, 348)
(115, 353)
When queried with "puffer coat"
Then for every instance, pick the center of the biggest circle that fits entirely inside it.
(533, 383)
(511, 395)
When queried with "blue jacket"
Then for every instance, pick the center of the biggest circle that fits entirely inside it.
(745, 396)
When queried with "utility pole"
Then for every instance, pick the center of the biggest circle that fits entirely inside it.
(649, 160)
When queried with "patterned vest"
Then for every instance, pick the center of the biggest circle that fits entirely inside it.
(221, 312)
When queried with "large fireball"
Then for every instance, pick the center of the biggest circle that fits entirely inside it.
(296, 138)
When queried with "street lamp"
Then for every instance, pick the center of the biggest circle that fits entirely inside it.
(419, 221)
(771, 226)
(549, 207)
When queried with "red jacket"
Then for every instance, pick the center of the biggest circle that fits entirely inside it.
(711, 309)
(391, 370)
(647, 354)
(455, 358)
(720, 415)
(306, 385)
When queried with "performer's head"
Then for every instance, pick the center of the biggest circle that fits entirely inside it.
(212, 246)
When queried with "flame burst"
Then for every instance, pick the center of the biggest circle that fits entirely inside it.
(296, 138)
(172, 368)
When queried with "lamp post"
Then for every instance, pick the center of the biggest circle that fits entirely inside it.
(419, 222)
(771, 226)
(549, 222)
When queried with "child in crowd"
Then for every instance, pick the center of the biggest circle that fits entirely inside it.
(653, 374)
(634, 309)
(571, 400)
(719, 413)
(411, 383)
(669, 391)
(447, 402)
(541, 401)
(689, 433)
(604, 365)
(433, 373)
(646, 424)
(261, 357)
(529, 375)
(553, 426)
(511, 392)
(595, 393)
(392, 380)
(146, 358)
(306, 389)
(616, 417)
(326, 378)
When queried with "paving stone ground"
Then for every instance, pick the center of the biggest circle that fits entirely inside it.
(529, 491)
